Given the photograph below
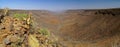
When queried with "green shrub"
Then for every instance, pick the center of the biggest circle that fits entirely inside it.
(44, 31)
(20, 16)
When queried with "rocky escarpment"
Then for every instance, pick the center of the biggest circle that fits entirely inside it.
(19, 30)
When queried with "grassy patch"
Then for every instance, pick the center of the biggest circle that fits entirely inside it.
(20, 16)
(44, 31)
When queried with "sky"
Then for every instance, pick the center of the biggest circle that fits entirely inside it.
(59, 4)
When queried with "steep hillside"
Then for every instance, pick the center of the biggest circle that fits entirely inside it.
(91, 24)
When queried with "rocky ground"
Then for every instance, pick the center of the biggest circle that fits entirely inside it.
(18, 31)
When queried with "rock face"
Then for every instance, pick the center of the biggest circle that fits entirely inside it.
(17, 31)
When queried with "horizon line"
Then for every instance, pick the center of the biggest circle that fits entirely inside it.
(63, 9)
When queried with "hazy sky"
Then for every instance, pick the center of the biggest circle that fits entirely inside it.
(59, 4)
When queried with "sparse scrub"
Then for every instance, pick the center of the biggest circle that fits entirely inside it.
(20, 16)
(44, 31)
